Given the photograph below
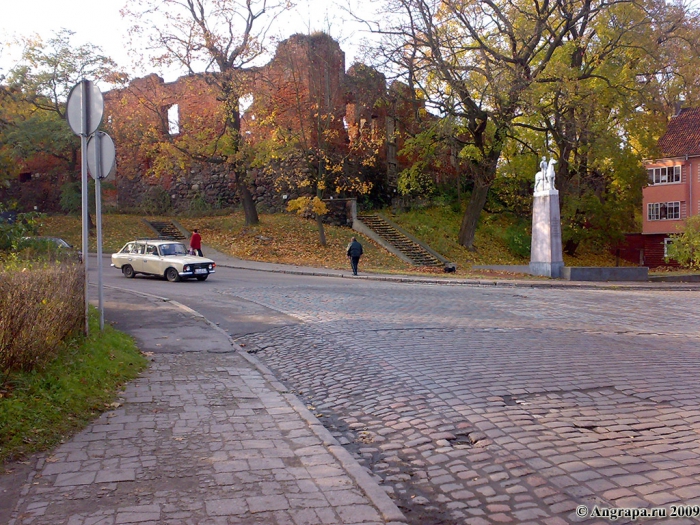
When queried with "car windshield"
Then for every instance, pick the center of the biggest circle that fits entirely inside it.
(175, 248)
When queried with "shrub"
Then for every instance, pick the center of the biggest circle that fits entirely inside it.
(685, 247)
(13, 229)
(156, 201)
(517, 238)
(40, 306)
(199, 204)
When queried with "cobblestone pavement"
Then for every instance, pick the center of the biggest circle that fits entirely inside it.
(201, 438)
(488, 405)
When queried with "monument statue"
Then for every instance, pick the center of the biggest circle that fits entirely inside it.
(546, 247)
(551, 175)
(544, 179)
(540, 175)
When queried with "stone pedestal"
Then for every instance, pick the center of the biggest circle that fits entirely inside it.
(546, 250)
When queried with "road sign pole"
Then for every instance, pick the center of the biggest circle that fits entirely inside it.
(84, 111)
(97, 137)
(85, 92)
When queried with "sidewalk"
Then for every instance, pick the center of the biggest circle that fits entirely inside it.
(206, 435)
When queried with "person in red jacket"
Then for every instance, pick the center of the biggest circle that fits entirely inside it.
(196, 242)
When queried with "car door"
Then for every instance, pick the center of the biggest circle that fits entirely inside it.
(136, 257)
(150, 260)
(123, 256)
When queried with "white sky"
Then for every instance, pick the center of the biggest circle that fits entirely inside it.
(99, 22)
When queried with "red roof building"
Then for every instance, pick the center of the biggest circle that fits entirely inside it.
(673, 193)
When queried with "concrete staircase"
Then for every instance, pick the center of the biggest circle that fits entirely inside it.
(166, 230)
(411, 251)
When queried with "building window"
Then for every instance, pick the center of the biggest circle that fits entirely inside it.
(665, 175)
(660, 211)
(174, 120)
(673, 210)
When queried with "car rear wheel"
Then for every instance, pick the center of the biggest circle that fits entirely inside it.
(172, 275)
(128, 271)
(202, 277)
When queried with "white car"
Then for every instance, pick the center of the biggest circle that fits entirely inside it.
(159, 257)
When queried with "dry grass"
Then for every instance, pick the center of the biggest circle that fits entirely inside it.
(289, 239)
(39, 307)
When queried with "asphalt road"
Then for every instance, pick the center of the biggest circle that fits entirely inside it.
(482, 404)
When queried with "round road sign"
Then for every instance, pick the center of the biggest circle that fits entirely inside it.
(84, 108)
(101, 156)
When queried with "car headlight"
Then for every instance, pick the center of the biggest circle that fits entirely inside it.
(186, 268)
(211, 266)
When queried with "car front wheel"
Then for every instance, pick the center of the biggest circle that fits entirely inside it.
(172, 275)
(128, 271)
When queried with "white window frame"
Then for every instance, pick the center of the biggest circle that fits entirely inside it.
(664, 175)
(653, 211)
(673, 211)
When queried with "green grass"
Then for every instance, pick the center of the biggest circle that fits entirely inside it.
(40, 409)
(117, 230)
(438, 226)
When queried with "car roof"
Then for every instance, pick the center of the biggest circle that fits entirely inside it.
(157, 241)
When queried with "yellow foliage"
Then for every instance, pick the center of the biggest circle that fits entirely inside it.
(304, 205)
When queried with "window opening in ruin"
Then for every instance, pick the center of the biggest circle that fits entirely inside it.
(244, 104)
(174, 119)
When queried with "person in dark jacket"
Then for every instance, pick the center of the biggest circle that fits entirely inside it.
(354, 251)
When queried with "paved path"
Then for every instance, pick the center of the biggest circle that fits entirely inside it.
(206, 436)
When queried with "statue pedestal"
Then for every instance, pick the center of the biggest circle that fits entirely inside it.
(546, 250)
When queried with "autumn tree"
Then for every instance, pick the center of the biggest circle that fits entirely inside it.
(298, 114)
(602, 104)
(477, 62)
(34, 96)
(218, 39)
(48, 70)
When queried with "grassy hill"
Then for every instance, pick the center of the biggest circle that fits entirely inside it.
(287, 238)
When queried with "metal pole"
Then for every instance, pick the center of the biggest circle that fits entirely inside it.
(98, 218)
(84, 184)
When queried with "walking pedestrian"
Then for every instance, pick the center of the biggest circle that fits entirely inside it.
(196, 242)
(354, 252)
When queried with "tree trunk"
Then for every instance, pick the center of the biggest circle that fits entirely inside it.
(251, 214)
(321, 230)
(471, 215)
